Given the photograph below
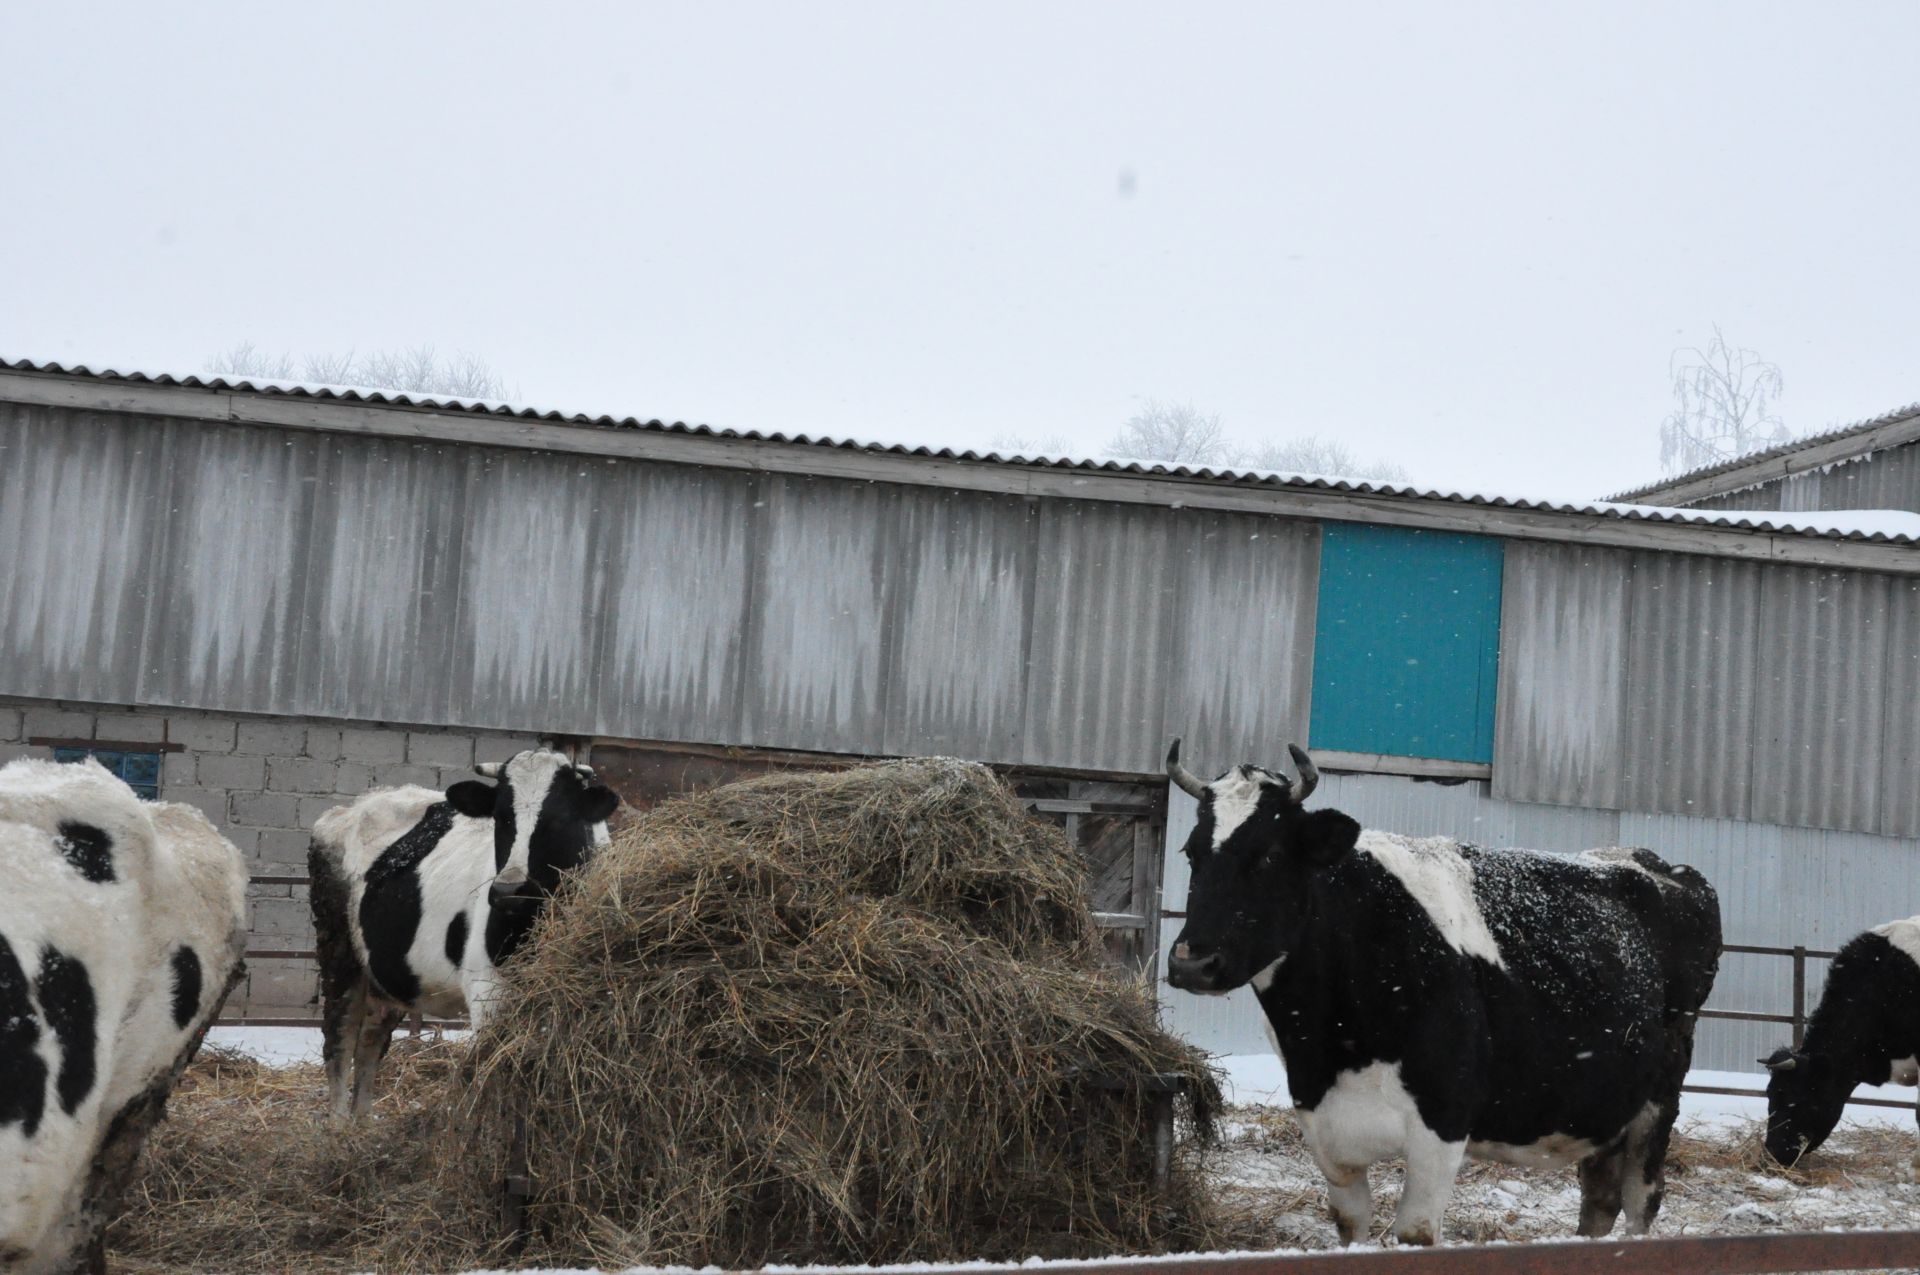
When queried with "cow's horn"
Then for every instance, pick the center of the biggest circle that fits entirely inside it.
(489, 769)
(1182, 778)
(1780, 1061)
(1309, 774)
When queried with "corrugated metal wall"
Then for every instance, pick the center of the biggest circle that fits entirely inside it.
(1887, 479)
(254, 570)
(1679, 684)
(1777, 887)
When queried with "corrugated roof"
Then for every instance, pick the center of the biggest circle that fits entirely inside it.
(1761, 460)
(1872, 527)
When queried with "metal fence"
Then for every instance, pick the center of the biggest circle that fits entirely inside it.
(1796, 1019)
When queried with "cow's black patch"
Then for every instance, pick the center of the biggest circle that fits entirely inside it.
(506, 927)
(457, 938)
(390, 906)
(505, 826)
(89, 849)
(186, 985)
(23, 1076)
(66, 1001)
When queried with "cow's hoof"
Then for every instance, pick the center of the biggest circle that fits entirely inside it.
(1420, 1235)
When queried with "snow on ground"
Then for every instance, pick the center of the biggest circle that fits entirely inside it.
(1719, 1179)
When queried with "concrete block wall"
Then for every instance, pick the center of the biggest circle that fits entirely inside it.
(263, 781)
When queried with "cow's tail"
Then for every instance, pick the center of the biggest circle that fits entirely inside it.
(342, 979)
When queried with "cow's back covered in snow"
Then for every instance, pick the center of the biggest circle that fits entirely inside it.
(1435, 1000)
(121, 927)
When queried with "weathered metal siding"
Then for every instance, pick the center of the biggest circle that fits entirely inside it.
(1678, 684)
(254, 570)
(1777, 887)
(1887, 479)
(1562, 695)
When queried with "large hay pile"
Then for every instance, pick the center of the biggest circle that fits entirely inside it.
(837, 1017)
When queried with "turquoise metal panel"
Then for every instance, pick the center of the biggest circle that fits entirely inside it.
(1406, 649)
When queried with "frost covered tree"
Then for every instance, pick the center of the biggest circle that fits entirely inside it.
(1179, 433)
(1723, 406)
(1312, 454)
(419, 369)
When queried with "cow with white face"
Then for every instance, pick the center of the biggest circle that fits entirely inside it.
(419, 896)
(122, 925)
(1865, 1031)
(1433, 1000)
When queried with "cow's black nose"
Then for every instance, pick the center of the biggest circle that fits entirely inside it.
(1189, 971)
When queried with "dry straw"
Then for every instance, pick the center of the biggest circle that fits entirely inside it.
(842, 1017)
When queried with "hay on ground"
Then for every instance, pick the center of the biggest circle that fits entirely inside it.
(843, 1017)
(839, 1017)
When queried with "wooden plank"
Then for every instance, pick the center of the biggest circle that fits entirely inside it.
(1384, 764)
(1119, 921)
(108, 745)
(1064, 806)
(481, 429)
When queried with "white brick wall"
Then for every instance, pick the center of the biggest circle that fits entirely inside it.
(264, 781)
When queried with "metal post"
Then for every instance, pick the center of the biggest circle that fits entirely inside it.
(1799, 994)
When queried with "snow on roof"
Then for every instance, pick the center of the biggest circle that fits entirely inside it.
(1760, 460)
(1872, 526)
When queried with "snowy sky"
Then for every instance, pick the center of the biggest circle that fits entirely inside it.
(1464, 236)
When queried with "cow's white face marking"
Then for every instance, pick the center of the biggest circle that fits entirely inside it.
(1441, 881)
(531, 774)
(1904, 935)
(1236, 795)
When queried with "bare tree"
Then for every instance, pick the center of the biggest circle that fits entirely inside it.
(417, 370)
(244, 358)
(1177, 432)
(1311, 454)
(1723, 399)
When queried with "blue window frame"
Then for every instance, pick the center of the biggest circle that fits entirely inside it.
(1407, 643)
(141, 770)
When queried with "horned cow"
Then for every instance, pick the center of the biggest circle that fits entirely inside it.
(418, 896)
(1434, 1000)
(122, 926)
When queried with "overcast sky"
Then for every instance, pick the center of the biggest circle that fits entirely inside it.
(1466, 237)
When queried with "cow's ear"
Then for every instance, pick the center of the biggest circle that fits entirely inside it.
(1323, 837)
(598, 803)
(473, 798)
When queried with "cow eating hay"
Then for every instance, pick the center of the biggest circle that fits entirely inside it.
(830, 1018)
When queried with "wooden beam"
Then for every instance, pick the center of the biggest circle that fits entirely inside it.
(850, 463)
(1383, 764)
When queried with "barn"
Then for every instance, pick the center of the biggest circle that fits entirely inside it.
(263, 599)
(1872, 465)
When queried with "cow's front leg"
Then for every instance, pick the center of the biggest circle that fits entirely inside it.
(1350, 1199)
(1432, 1165)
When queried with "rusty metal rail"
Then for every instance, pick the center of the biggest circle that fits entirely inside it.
(1702, 1255)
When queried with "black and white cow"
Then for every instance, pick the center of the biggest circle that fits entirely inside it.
(418, 897)
(1866, 1031)
(1434, 1000)
(122, 925)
